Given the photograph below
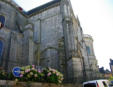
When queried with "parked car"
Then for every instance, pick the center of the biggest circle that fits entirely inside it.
(96, 83)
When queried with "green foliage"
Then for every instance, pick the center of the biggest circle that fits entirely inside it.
(52, 75)
(111, 78)
(10, 76)
(3, 75)
(30, 73)
(6, 76)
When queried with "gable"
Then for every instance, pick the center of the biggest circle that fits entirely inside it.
(41, 6)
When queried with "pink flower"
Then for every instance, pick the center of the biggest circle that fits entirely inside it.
(21, 75)
(54, 71)
(49, 74)
(57, 74)
(33, 66)
(39, 70)
(27, 70)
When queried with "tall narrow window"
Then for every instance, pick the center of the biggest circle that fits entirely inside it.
(88, 50)
(2, 21)
(1, 48)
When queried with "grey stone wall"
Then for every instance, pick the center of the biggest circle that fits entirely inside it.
(92, 59)
(9, 13)
(4, 83)
(4, 37)
(51, 38)
(47, 33)
(13, 19)
(15, 57)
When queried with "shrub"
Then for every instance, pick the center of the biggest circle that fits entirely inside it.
(52, 75)
(3, 75)
(10, 76)
(6, 76)
(30, 73)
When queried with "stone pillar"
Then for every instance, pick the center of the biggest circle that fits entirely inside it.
(37, 40)
(15, 51)
(29, 44)
(69, 38)
(76, 72)
(37, 31)
(71, 66)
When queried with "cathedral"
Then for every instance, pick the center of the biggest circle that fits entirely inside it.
(48, 36)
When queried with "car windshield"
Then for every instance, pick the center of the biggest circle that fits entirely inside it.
(90, 85)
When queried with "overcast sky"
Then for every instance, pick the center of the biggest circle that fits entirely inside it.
(96, 18)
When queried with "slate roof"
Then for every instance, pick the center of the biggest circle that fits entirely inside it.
(41, 7)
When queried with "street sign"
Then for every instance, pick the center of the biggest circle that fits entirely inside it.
(16, 71)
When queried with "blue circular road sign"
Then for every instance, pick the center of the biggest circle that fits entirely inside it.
(16, 71)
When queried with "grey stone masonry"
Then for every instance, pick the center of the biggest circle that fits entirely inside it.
(49, 37)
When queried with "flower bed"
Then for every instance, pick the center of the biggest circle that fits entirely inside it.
(30, 73)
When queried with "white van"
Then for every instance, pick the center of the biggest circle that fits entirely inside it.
(96, 83)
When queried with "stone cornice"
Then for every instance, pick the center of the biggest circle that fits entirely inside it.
(11, 3)
(49, 7)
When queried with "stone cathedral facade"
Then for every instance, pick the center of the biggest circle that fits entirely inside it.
(48, 36)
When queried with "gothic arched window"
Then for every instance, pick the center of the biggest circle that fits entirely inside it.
(2, 21)
(1, 48)
(88, 50)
